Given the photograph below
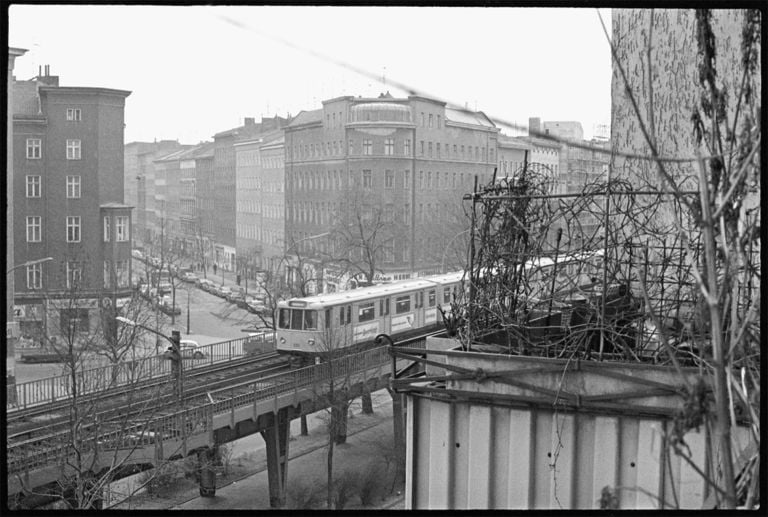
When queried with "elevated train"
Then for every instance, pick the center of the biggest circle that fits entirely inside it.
(311, 327)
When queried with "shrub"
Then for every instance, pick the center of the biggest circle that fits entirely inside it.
(159, 478)
(345, 487)
(370, 483)
(303, 495)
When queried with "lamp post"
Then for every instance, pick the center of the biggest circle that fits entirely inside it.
(177, 366)
(30, 263)
(188, 289)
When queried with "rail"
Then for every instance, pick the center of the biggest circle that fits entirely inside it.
(95, 380)
(197, 420)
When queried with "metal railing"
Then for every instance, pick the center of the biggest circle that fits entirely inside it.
(194, 421)
(128, 373)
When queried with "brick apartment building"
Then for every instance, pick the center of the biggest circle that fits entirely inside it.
(68, 204)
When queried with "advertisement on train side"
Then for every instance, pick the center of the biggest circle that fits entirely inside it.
(366, 331)
(403, 322)
(430, 316)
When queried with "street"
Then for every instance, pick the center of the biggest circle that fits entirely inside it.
(211, 319)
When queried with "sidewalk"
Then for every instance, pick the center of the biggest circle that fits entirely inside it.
(307, 464)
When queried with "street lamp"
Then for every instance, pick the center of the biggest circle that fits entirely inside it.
(175, 352)
(30, 263)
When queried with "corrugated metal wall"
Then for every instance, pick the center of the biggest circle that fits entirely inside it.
(471, 456)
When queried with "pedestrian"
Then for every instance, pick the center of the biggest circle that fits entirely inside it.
(214, 268)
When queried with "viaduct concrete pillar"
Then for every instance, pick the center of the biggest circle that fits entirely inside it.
(276, 437)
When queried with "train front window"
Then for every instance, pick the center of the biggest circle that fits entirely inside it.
(310, 320)
(284, 319)
(365, 312)
(402, 304)
(447, 295)
(296, 317)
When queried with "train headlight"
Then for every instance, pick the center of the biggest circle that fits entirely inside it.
(282, 340)
(310, 342)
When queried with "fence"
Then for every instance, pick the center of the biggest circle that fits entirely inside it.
(197, 420)
(128, 373)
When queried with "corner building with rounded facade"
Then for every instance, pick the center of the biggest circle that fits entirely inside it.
(413, 158)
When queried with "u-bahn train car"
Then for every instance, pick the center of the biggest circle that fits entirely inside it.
(313, 326)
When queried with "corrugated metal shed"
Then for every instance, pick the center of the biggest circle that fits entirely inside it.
(503, 451)
(469, 456)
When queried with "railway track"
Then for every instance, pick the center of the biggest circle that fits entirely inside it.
(118, 429)
(31, 425)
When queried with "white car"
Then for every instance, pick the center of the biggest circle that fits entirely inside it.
(191, 349)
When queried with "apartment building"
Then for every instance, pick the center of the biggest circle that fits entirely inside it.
(68, 204)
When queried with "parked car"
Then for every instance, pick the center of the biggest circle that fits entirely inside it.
(234, 293)
(243, 301)
(257, 307)
(191, 349)
(207, 285)
(222, 291)
(164, 288)
(188, 276)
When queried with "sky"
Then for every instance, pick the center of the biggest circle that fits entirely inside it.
(197, 70)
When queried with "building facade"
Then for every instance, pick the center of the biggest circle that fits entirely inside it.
(403, 163)
(139, 184)
(68, 204)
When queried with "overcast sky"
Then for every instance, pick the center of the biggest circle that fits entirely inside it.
(197, 70)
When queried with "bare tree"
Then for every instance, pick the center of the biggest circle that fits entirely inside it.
(362, 234)
(96, 437)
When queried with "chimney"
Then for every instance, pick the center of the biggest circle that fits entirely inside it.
(534, 125)
(48, 79)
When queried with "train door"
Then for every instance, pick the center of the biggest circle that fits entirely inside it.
(384, 317)
(367, 325)
(430, 310)
(418, 305)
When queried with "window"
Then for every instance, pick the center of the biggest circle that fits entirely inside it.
(389, 213)
(74, 274)
(402, 304)
(367, 179)
(34, 148)
(407, 179)
(419, 301)
(367, 147)
(33, 186)
(389, 146)
(107, 229)
(438, 122)
(422, 119)
(74, 114)
(74, 320)
(122, 273)
(35, 276)
(34, 228)
(384, 307)
(351, 146)
(107, 274)
(73, 149)
(421, 179)
(430, 121)
(407, 213)
(73, 228)
(421, 145)
(431, 298)
(310, 320)
(429, 148)
(437, 149)
(365, 312)
(407, 147)
(73, 187)
(454, 150)
(121, 228)
(429, 180)
(447, 295)
(389, 179)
